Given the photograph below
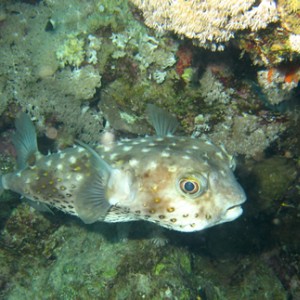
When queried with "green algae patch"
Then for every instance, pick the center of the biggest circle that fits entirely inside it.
(272, 178)
(159, 268)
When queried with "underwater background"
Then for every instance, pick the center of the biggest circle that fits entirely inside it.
(228, 70)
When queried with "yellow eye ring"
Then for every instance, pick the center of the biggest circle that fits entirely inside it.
(189, 186)
(192, 186)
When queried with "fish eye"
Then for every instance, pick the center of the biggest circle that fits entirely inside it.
(189, 186)
(192, 185)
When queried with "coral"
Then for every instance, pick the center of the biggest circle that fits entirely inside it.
(248, 135)
(289, 15)
(71, 52)
(209, 22)
(212, 90)
(278, 83)
(273, 177)
(294, 40)
(184, 61)
(79, 83)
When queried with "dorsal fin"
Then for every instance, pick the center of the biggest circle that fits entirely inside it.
(91, 203)
(24, 140)
(163, 122)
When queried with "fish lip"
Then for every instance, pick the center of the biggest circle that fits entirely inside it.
(233, 212)
(234, 206)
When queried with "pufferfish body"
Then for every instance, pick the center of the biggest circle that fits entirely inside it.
(180, 183)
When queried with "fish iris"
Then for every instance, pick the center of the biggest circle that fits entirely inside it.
(189, 186)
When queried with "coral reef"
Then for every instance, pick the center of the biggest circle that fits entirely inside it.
(211, 22)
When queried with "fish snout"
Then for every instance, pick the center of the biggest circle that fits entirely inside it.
(234, 210)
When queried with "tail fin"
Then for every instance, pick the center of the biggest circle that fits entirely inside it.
(24, 140)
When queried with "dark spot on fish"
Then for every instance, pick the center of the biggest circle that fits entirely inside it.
(146, 175)
(70, 206)
(185, 215)
(152, 211)
(161, 216)
(138, 212)
(170, 209)
(62, 188)
(69, 195)
(31, 160)
(207, 217)
(76, 169)
(81, 165)
(173, 220)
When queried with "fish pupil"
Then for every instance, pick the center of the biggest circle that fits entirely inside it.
(189, 186)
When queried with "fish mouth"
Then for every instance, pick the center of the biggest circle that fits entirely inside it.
(233, 212)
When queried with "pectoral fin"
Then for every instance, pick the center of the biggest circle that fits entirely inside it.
(91, 204)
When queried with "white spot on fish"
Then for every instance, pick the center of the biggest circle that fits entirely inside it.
(152, 165)
(72, 160)
(59, 167)
(145, 150)
(152, 144)
(133, 162)
(222, 173)
(49, 163)
(79, 177)
(80, 149)
(127, 148)
(185, 157)
(62, 155)
(172, 169)
(125, 140)
(219, 154)
(160, 139)
(113, 156)
(195, 147)
(165, 154)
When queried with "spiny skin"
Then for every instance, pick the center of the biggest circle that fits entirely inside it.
(147, 185)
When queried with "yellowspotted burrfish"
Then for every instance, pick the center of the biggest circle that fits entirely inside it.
(180, 183)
